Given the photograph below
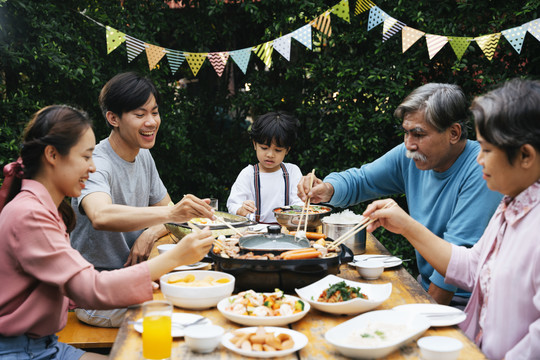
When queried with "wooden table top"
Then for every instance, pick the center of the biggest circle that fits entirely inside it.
(405, 290)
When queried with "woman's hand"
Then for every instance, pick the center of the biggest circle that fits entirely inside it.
(248, 207)
(194, 246)
(392, 218)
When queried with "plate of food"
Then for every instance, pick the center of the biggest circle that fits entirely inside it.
(388, 260)
(178, 321)
(266, 309)
(264, 342)
(194, 266)
(438, 315)
(336, 295)
(376, 334)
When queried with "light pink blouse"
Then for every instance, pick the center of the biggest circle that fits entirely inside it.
(511, 326)
(39, 270)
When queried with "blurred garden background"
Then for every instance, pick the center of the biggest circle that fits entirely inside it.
(343, 89)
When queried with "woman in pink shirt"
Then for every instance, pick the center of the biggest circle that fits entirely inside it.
(39, 270)
(503, 269)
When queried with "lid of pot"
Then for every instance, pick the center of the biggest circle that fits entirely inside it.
(274, 240)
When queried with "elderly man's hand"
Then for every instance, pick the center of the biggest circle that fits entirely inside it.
(141, 248)
(191, 207)
(320, 191)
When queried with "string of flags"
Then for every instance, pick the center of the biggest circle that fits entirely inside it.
(322, 23)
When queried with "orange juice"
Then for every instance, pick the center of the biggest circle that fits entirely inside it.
(157, 339)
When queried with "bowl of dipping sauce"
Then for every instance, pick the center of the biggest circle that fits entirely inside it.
(439, 348)
(203, 338)
(165, 247)
(370, 269)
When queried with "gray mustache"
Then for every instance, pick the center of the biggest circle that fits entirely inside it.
(415, 155)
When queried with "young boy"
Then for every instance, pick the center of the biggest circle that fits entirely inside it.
(271, 183)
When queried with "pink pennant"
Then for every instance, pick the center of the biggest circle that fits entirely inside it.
(218, 61)
(435, 43)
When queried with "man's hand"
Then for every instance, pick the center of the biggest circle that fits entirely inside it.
(441, 296)
(248, 207)
(191, 207)
(320, 192)
(141, 248)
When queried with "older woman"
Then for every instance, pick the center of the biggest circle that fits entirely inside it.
(39, 270)
(503, 269)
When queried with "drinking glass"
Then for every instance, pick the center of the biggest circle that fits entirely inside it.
(214, 203)
(157, 338)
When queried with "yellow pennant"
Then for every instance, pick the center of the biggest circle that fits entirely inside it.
(195, 61)
(363, 5)
(488, 44)
(264, 51)
(114, 38)
(154, 54)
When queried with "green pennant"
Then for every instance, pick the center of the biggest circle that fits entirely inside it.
(459, 44)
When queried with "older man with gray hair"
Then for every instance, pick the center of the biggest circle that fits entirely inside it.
(435, 168)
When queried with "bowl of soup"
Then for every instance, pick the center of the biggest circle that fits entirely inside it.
(291, 216)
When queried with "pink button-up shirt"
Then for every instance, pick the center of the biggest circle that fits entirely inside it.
(512, 313)
(39, 270)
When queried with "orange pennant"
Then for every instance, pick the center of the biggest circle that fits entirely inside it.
(154, 54)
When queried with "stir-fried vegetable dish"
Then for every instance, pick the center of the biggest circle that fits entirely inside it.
(297, 209)
(341, 292)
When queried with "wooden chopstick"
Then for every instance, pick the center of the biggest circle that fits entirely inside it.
(197, 230)
(221, 220)
(357, 228)
(306, 206)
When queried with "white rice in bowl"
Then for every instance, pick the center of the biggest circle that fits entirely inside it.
(344, 217)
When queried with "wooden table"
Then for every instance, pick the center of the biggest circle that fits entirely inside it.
(405, 289)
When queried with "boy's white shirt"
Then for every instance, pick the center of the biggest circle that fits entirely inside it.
(272, 190)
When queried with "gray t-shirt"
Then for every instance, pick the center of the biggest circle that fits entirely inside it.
(127, 183)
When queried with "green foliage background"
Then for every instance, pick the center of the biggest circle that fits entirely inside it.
(344, 91)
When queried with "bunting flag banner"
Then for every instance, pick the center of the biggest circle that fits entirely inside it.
(376, 16)
(283, 46)
(362, 5)
(175, 58)
(322, 23)
(488, 44)
(134, 47)
(390, 27)
(435, 43)
(534, 28)
(114, 38)
(409, 36)
(154, 54)
(218, 61)
(264, 51)
(459, 44)
(241, 58)
(342, 10)
(195, 61)
(516, 36)
(303, 35)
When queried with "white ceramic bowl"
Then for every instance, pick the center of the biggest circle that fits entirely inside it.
(165, 247)
(260, 320)
(203, 338)
(197, 297)
(370, 269)
(439, 348)
(340, 336)
(377, 294)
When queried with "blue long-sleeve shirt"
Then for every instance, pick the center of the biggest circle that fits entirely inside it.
(455, 205)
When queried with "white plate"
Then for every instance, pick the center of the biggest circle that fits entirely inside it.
(261, 320)
(300, 340)
(377, 294)
(177, 318)
(455, 316)
(389, 262)
(194, 266)
(338, 336)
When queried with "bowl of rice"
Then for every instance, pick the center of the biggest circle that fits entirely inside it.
(337, 224)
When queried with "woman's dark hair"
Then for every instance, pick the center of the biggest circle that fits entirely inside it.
(281, 127)
(60, 126)
(126, 92)
(509, 116)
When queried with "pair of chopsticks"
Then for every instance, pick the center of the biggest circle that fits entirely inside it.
(306, 206)
(357, 228)
(197, 230)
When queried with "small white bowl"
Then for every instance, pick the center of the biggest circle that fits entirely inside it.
(203, 338)
(439, 348)
(165, 247)
(370, 269)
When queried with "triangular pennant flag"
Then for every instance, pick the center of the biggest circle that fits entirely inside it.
(195, 61)
(391, 26)
(363, 5)
(134, 47)
(376, 16)
(435, 43)
(241, 58)
(283, 46)
(409, 36)
(342, 10)
(154, 54)
(176, 58)
(218, 61)
(488, 44)
(534, 28)
(515, 36)
(322, 23)
(114, 38)
(459, 44)
(303, 35)
(264, 51)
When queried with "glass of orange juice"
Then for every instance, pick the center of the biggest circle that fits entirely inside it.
(157, 338)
